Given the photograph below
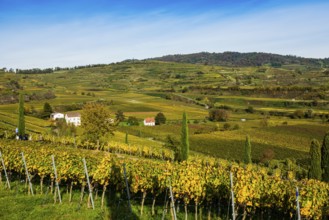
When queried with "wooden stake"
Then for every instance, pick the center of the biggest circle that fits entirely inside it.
(4, 169)
(27, 174)
(89, 186)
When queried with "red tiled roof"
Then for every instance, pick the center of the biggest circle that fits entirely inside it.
(149, 120)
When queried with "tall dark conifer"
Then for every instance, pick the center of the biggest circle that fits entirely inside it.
(325, 158)
(315, 171)
(126, 139)
(247, 151)
(21, 118)
(185, 144)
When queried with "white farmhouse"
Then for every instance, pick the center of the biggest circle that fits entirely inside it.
(149, 122)
(56, 115)
(73, 118)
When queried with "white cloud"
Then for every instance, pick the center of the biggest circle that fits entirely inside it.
(301, 31)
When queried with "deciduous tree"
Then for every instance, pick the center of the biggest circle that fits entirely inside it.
(160, 118)
(120, 116)
(174, 145)
(96, 121)
(61, 128)
(218, 115)
(132, 120)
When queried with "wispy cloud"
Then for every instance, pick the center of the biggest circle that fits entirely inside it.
(300, 30)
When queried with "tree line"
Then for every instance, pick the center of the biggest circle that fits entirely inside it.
(243, 59)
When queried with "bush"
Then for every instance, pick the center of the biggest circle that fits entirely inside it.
(250, 109)
(218, 115)
(196, 121)
(132, 121)
(309, 113)
(227, 126)
(267, 155)
(298, 114)
(236, 127)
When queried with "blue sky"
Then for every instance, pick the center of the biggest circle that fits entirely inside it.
(79, 32)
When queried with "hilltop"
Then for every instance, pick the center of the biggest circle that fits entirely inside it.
(244, 59)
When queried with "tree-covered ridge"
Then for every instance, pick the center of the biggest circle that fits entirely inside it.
(243, 59)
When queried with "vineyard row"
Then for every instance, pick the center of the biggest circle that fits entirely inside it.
(193, 181)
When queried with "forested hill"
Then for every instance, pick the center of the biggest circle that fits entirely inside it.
(243, 59)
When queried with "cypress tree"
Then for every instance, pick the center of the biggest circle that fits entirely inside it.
(126, 140)
(325, 158)
(185, 145)
(21, 119)
(315, 171)
(247, 151)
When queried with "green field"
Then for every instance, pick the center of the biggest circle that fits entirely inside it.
(280, 110)
(144, 88)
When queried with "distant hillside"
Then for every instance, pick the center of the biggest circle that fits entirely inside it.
(244, 59)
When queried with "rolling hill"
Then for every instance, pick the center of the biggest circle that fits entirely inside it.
(244, 59)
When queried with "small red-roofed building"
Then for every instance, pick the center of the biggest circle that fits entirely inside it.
(149, 122)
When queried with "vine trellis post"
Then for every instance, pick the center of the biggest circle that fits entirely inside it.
(4, 169)
(89, 186)
(232, 195)
(56, 180)
(172, 202)
(297, 203)
(27, 173)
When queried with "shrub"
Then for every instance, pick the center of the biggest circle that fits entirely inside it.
(132, 121)
(218, 115)
(267, 155)
(250, 109)
(236, 127)
(298, 114)
(227, 126)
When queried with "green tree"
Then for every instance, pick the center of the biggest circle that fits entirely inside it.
(126, 139)
(96, 122)
(132, 120)
(325, 158)
(247, 151)
(21, 118)
(218, 115)
(61, 128)
(315, 171)
(298, 114)
(47, 110)
(174, 145)
(250, 109)
(185, 145)
(160, 118)
(120, 116)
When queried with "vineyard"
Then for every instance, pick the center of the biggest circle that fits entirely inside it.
(204, 184)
